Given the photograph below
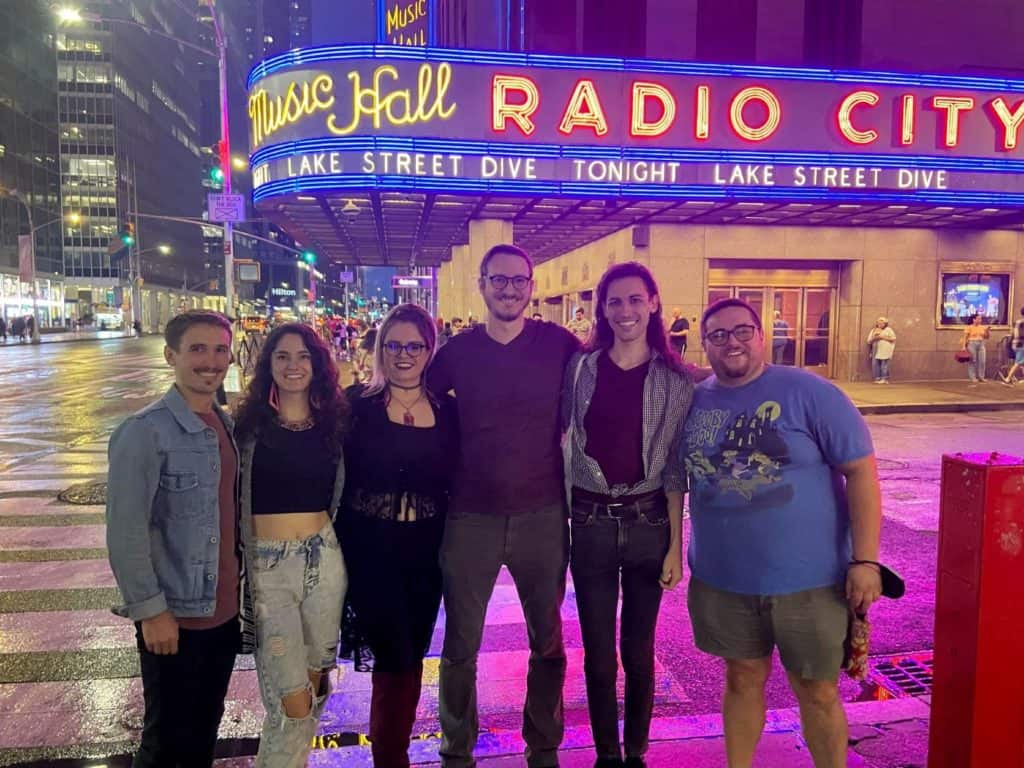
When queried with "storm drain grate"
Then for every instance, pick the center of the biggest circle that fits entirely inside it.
(902, 675)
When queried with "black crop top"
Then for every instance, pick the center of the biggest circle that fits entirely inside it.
(291, 472)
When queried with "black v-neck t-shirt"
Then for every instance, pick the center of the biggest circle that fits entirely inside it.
(508, 397)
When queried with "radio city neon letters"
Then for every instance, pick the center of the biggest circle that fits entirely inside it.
(376, 98)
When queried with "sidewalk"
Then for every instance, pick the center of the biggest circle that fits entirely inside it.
(949, 396)
(66, 336)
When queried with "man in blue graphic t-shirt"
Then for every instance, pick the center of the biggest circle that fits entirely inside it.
(784, 503)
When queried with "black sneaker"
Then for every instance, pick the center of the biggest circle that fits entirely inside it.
(608, 762)
(635, 762)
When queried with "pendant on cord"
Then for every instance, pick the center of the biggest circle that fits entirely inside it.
(408, 420)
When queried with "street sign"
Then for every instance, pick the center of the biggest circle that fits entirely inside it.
(411, 281)
(346, 277)
(222, 207)
(248, 270)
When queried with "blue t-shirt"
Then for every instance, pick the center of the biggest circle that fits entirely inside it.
(767, 502)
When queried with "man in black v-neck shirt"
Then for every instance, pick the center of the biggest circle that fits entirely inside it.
(508, 505)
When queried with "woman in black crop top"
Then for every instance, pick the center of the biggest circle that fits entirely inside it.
(399, 455)
(290, 426)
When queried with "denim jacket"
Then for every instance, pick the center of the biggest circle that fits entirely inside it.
(163, 510)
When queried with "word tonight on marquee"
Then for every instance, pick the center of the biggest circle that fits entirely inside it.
(432, 164)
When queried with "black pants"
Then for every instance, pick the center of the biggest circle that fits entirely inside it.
(602, 549)
(534, 548)
(184, 696)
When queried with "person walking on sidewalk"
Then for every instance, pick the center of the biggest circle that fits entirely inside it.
(1017, 347)
(974, 339)
(679, 332)
(172, 517)
(508, 505)
(290, 427)
(397, 454)
(882, 341)
(625, 400)
(767, 449)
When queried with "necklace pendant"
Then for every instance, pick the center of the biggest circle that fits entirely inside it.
(408, 420)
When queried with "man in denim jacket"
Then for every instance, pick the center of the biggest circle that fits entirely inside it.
(172, 534)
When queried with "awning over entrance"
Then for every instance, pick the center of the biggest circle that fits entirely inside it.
(383, 154)
(396, 228)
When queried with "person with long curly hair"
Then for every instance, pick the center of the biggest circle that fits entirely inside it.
(625, 401)
(290, 428)
(399, 454)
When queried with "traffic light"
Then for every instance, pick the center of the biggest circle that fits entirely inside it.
(309, 257)
(217, 175)
(127, 233)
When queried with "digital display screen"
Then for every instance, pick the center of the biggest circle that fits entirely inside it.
(965, 295)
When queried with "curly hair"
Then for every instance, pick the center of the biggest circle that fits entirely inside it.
(327, 402)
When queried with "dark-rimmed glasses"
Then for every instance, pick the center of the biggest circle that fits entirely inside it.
(720, 337)
(412, 349)
(500, 282)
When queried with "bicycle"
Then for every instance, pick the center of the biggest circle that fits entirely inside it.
(1006, 357)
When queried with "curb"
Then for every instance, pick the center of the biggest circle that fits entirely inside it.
(997, 405)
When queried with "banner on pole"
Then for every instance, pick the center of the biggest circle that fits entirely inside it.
(25, 258)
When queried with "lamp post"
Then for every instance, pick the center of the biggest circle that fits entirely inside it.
(72, 15)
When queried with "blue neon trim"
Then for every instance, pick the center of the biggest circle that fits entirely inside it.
(509, 149)
(301, 184)
(301, 56)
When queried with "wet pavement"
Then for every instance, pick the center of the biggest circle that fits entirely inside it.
(68, 669)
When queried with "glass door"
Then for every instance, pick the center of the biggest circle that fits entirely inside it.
(817, 328)
(785, 323)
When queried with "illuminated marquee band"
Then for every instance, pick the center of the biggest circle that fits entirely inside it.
(452, 116)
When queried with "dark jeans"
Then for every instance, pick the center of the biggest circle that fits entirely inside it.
(184, 696)
(602, 549)
(535, 549)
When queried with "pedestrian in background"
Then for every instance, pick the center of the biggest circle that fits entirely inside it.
(974, 339)
(398, 479)
(3, 329)
(679, 332)
(1017, 347)
(363, 363)
(290, 428)
(624, 402)
(508, 504)
(172, 521)
(770, 555)
(580, 326)
(882, 343)
(780, 338)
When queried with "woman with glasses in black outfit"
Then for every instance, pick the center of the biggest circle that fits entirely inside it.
(398, 453)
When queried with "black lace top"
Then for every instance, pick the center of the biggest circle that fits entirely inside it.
(390, 466)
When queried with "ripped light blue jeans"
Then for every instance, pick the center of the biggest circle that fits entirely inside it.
(298, 588)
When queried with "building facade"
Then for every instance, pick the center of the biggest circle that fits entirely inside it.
(131, 153)
(726, 150)
(29, 159)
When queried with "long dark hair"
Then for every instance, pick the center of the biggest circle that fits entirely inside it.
(327, 402)
(603, 337)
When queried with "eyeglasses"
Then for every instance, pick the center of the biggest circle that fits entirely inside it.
(500, 282)
(720, 337)
(412, 349)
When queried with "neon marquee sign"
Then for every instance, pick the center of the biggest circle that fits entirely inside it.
(376, 112)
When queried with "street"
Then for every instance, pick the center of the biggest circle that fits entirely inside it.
(68, 667)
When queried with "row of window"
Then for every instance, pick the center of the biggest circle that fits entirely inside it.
(172, 105)
(83, 73)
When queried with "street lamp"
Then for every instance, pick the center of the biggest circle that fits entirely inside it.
(75, 16)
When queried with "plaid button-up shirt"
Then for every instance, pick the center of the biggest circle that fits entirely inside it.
(667, 397)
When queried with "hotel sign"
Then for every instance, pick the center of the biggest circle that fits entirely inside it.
(438, 118)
